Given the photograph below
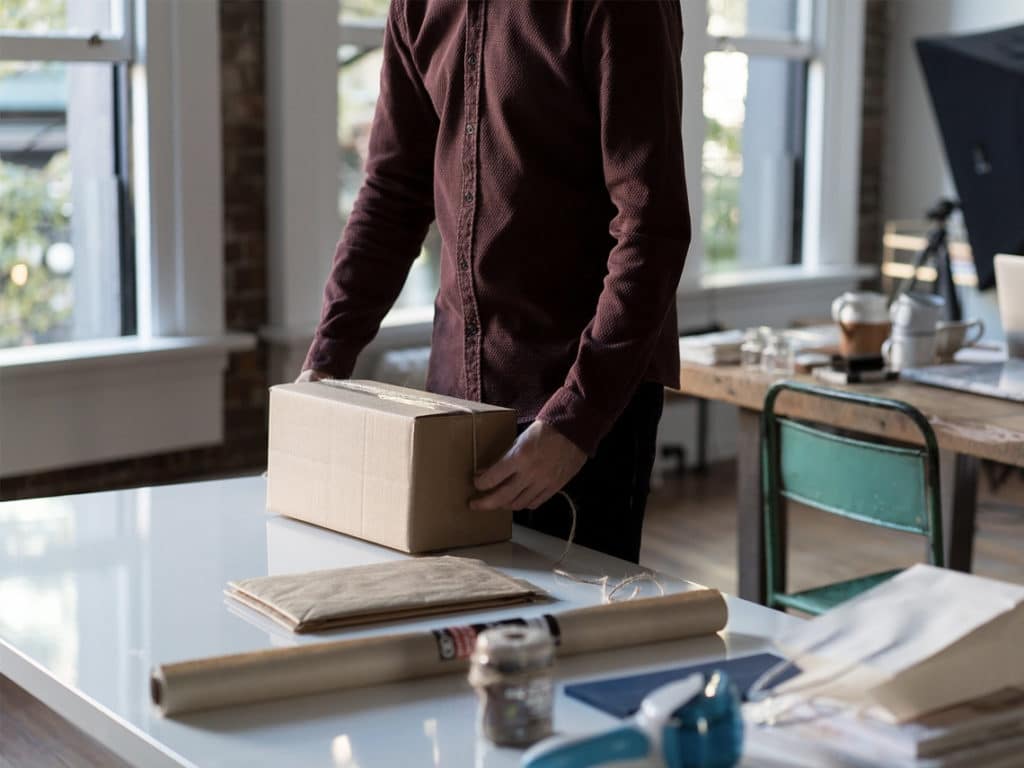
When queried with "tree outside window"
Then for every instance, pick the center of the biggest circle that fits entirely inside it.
(60, 249)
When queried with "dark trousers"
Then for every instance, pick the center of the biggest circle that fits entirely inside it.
(610, 492)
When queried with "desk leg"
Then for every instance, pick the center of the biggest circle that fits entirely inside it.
(749, 507)
(959, 507)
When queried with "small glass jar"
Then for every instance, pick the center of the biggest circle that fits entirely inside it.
(750, 350)
(511, 670)
(777, 356)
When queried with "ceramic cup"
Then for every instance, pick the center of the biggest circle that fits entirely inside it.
(901, 351)
(951, 337)
(863, 320)
(916, 313)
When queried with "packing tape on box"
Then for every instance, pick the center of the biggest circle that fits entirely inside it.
(424, 401)
(280, 673)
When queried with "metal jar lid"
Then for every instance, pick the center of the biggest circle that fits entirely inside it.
(514, 650)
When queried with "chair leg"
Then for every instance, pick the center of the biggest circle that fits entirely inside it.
(959, 481)
(751, 561)
(702, 435)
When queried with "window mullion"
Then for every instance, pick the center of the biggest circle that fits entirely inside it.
(121, 18)
(800, 50)
(361, 34)
(102, 48)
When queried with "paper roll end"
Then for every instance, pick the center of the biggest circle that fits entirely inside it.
(156, 688)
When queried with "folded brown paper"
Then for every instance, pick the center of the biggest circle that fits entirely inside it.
(366, 594)
(283, 672)
(383, 463)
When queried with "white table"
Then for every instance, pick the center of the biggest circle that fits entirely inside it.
(95, 589)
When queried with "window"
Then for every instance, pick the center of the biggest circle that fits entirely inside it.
(756, 57)
(359, 62)
(772, 136)
(66, 271)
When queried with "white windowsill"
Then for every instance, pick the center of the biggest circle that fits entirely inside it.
(78, 403)
(772, 278)
(780, 277)
(71, 356)
(811, 288)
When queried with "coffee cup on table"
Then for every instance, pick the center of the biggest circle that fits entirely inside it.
(916, 313)
(863, 320)
(952, 336)
(909, 351)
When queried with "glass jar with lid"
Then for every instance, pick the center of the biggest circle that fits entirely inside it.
(751, 349)
(777, 356)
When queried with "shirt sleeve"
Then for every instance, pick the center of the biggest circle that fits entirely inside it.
(633, 56)
(392, 211)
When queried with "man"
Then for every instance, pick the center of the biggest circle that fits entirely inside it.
(545, 138)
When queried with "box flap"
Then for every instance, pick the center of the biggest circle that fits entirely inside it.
(387, 398)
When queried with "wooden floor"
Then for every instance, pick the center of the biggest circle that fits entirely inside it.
(690, 531)
(33, 736)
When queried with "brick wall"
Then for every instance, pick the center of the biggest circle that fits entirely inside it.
(876, 31)
(245, 284)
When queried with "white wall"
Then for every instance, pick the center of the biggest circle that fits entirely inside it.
(915, 171)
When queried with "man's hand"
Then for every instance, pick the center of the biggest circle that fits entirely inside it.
(310, 375)
(536, 467)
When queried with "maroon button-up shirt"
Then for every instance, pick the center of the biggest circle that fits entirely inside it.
(545, 139)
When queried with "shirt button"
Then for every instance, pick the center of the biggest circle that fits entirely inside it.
(469, 128)
(471, 59)
(468, 197)
(463, 263)
(471, 329)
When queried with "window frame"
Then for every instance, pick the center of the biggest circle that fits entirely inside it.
(829, 37)
(304, 222)
(176, 186)
(116, 48)
(362, 33)
(104, 408)
(98, 47)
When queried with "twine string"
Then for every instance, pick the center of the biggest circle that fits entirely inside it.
(604, 582)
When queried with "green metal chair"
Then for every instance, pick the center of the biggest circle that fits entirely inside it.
(890, 485)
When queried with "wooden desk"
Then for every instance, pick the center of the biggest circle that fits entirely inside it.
(968, 427)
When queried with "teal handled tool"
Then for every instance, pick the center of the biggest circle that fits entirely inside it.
(695, 722)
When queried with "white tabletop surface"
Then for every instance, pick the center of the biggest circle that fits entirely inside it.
(96, 589)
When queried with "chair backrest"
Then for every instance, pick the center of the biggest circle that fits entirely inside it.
(859, 477)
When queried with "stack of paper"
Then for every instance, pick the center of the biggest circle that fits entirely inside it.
(987, 731)
(723, 347)
(388, 591)
(720, 348)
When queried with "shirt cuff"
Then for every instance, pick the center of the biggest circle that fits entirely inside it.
(574, 418)
(331, 356)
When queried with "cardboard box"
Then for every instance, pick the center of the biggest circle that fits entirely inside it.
(384, 463)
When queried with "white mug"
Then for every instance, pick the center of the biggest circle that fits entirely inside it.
(914, 313)
(901, 351)
(860, 307)
(950, 336)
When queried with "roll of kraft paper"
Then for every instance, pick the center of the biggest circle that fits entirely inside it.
(281, 673)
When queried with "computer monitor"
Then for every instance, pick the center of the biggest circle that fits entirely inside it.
(976, 84)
